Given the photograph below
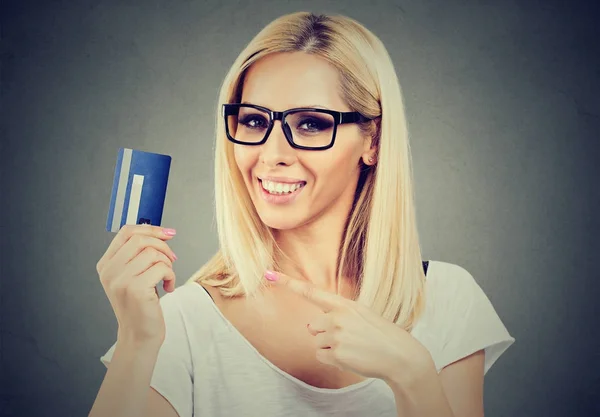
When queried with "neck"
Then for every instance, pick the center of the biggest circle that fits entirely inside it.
(311, 251)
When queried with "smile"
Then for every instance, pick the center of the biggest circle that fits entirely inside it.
(280, 188)
(279, 193)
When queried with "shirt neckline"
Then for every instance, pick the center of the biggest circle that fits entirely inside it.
(239, 335)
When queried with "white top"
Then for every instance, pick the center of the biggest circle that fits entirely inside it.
(205, 367)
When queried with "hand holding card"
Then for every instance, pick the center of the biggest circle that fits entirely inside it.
(136, 260)
(138, 257)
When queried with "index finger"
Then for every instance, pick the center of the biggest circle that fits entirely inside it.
(127, 231)
(326, 300)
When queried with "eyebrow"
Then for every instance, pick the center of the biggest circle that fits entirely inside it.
(319, 106)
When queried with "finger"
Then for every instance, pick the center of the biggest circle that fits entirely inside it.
(326, 300)
(323, 340)
(137, 244)
(125, 233)
(148, 257)
(327, 356)
(313, 331)
(146, 282)
(129, 252)
(319, 324)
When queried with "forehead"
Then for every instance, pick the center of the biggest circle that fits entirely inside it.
(286, 80)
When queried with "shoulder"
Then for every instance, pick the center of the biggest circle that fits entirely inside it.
(460, 316)
(192, 302)
(449, 283)
(452, 293)
(446, 273)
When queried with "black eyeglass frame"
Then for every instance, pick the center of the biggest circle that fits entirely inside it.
(338, 119)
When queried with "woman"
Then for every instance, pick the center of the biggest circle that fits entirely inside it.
(318, 302)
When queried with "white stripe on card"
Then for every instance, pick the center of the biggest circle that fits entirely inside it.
(121, 189)
(134, 199)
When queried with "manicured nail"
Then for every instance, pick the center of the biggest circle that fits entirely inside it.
(174, 256)
(169, 232)
(271, 276)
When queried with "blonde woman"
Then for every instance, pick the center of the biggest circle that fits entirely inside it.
(318, 302)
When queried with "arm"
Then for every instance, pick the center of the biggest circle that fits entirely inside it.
(456, 392)
(125, 391)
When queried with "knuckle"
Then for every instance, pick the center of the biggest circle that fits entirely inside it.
(164, 247)
(309, 292)
(127, 230)
(151, 253)
(337, 321)
(166, 269)
(160, 256)
(105, 276)
(161, 269)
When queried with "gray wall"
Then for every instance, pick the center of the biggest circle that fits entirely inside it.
(503, 104)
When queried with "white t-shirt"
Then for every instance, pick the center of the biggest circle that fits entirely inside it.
(205, 367)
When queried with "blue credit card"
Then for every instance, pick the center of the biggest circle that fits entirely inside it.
(139, 189)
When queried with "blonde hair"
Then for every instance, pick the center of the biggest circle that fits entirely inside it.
(380, 248)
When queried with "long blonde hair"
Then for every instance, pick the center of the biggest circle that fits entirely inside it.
(380, 248)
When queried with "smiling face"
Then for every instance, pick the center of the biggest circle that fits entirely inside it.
(305, 185)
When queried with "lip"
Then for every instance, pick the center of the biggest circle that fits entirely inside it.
(278, 199)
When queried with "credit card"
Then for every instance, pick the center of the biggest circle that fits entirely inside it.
(139, 189)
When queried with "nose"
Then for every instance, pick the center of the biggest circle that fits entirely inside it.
(276, 150)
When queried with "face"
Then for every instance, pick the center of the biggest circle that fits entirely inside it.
(314, 184)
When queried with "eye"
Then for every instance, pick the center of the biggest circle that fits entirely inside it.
(253, 121)
(313, 124)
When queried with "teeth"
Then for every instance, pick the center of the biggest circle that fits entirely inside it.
(279, 187)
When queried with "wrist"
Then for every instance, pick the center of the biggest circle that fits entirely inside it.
(420, 369)
(129, 342)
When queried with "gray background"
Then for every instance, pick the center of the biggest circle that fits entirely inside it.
(503, 105)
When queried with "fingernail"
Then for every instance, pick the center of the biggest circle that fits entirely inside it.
(271, 276)
(169, 232)
(174, 256)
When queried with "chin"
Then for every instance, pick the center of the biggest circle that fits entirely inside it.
(280, 222)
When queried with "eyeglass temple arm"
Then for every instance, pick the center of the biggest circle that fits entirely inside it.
(352, 117)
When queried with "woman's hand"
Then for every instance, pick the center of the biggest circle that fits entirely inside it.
(137, 259)
(351, 337)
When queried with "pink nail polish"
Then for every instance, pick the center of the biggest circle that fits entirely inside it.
(169, 232)
(271, 276)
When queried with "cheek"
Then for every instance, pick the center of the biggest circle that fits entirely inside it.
(337, 167)
(245, 158)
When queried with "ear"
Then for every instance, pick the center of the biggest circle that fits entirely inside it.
(370, 157)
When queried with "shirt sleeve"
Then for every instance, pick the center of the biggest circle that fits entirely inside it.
(468, 321)
(172, 376)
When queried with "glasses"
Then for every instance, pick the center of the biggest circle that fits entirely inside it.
(304, 128)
